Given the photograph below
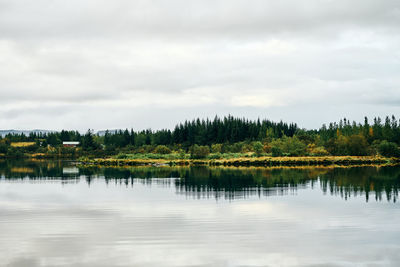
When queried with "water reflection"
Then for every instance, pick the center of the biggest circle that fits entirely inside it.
(228, 183)
(55, 214)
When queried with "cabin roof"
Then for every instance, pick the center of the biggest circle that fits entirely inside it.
(70, 143)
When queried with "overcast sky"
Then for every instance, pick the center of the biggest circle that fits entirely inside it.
(120, 64)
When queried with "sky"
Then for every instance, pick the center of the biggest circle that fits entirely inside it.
(151, 64)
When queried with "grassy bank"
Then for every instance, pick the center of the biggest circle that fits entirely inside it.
(248, 162)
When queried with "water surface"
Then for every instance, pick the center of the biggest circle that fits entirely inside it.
(55, 214)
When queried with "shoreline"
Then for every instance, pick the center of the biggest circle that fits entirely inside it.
(248, 162)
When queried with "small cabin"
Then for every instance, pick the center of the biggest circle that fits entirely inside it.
(70, 143)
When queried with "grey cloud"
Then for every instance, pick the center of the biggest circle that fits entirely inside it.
(387, 101)
(102, 64)
(24, 262)
(98, 19)
(59, 98)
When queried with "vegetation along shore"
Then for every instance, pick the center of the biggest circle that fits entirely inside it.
(227, 141)
(247, 162)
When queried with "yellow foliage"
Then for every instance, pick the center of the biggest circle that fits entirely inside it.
(38, 155)
(314, 150)
(22, 170)
(371, 132)
(22, 144)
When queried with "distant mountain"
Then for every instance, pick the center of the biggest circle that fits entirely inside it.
(26, 132)
(102, 133)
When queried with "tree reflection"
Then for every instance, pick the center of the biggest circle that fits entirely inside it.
(229, 183)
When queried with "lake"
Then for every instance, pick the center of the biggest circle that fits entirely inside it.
(55, 214)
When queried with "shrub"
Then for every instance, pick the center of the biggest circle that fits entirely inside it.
(110, 150)
(122, 156)
(161, 149)
(15, 153)
(247, 147)
(215, 156)
(148, 148)
(258, 148)
(234, 148)
(3, 148)
(294, 146)
(216, 148)
(389, 149)
(337, 146)
(199, 152)
(290, 146)
(314, 150)
(182, 153)
(353, 145)
(374, 147)
(267, 148)
(357, 145)
(276, 151)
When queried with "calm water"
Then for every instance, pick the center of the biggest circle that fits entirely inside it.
(54, 214)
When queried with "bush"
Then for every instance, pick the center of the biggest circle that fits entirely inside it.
(67, 150)
(258, 148)
(357, 145)
(314, 150)
(234, 148)
(374, 147)
(290, 146)
(3, 148)
(354, 145)
(161, 149)
(337, 146)
(216, 148)
(247, 147)
(199, 152)
(147, 148)
(110, 150)
(122, 156)
(389, 149)
(215, 156)
(15, 153)
(182, 153)
(276, 151)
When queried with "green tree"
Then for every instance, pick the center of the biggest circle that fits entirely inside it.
(3, 148)
(337, 145)
(53, 140)
(88, 141)
(357, 145)
(389, 149)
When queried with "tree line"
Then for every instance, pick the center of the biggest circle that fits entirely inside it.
(228, 135)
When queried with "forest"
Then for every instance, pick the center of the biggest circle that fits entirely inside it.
(220, 137)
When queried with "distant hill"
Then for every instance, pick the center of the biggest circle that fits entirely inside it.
(26, 132)
(102, 133)
(37, 131)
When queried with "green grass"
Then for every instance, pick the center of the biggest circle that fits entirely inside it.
(172, 156)
(176, 156)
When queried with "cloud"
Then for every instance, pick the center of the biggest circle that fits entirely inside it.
(179, 59)
(76, 19)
